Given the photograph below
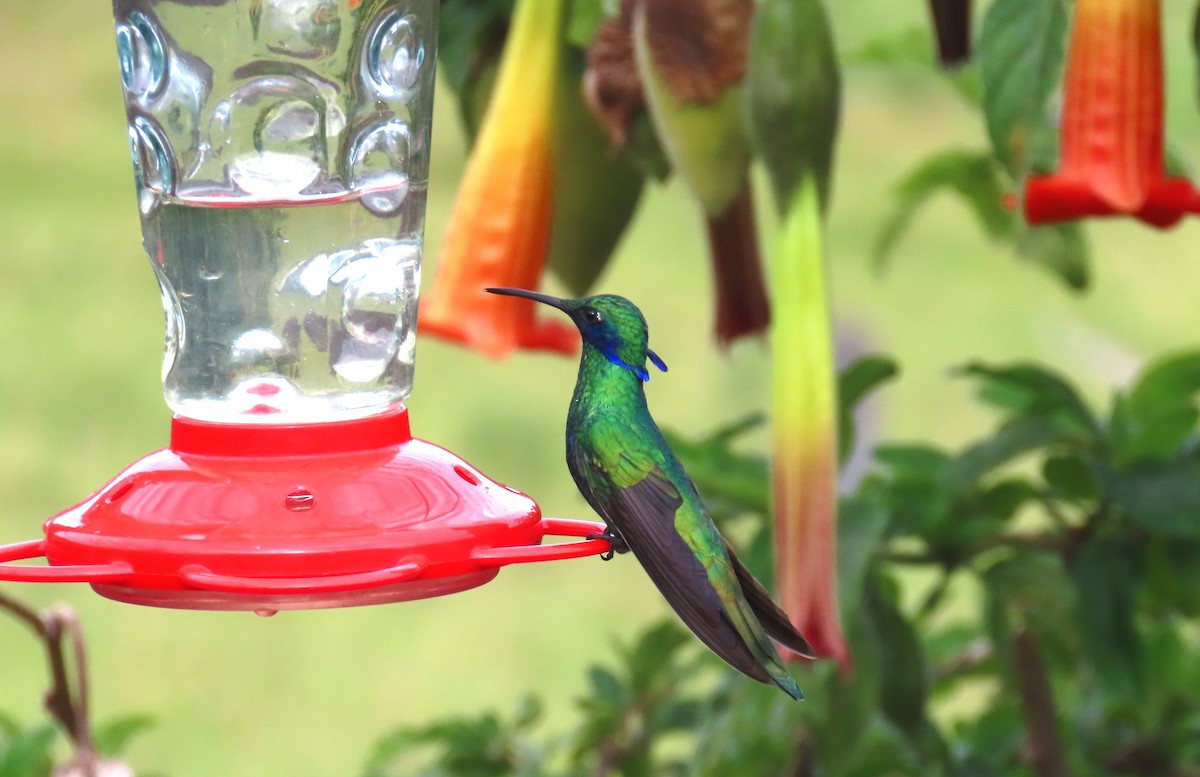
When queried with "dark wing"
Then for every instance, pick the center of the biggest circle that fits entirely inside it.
(644, 515)
(773, 619)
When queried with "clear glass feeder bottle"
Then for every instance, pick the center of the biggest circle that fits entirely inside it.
(281, 154)
(281, 150)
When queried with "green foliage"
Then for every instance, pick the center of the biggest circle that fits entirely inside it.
(36, 750)
(485, 746)
(855, 383)
(26, 752)
(1060, 565)
(974, 177)
(1020, 57)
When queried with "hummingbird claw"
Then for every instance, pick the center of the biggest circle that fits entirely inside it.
(616, 544)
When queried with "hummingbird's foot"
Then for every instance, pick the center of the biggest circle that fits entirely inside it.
(616, 543)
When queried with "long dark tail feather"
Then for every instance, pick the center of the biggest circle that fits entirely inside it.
(701, 611)
(676, 571)
(772, 618)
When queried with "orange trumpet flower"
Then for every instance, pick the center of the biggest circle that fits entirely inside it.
(499, 230)
(1112, 124)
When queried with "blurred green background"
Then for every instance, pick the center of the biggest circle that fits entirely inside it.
(80, 342)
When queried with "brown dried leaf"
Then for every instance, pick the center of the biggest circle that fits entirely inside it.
(699, 47)
(611, 85)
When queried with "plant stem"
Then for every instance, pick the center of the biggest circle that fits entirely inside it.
(804, 755)
(1044, 747)
(66, 701)
(24, 614)
(975, 654)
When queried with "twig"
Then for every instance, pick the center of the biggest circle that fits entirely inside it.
(977, 653)
(613, 751)
(25, 614)
(62, 620)
(1043, 751)
(804, 755)
(1057, 543)
(1053, 511)
(66, 700)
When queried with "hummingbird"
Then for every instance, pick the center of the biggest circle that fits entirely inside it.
(628, 474)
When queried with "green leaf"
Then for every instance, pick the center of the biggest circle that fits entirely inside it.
(914, 497)
(884, 751)
(852, 702)
(862, 520)
(1162, 498)
(863, 376)
(1107, 577)
(1061, 249)
(606, 686)
(904, 691)
(1018, 437)
(586, 16)
(1159, 414)
(1070, 477)
(914, 461)
(466, 30)
(29, 753)
(991, 745)
(1173, 574)
(748, 730)
(1032, 588)
(9, 729)
(793, 92)
(1030, 389)
(113, 736)
(678, 715)
(855, 382)
(652, 654)
(1020, 55)
(973, 177)
(1002, 500)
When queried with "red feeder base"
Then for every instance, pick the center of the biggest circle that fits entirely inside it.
(266, 518)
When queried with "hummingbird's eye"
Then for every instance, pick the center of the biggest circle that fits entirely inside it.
(592, 316)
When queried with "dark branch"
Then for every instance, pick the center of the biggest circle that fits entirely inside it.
(67, 698)
(804, 755)
(24, 614)
(1044, 751)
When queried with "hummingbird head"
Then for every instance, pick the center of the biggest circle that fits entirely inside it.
(612, 325)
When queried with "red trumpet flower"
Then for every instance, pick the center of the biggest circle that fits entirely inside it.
(1112, 124)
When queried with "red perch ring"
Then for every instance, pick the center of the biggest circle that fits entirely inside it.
(276, 517)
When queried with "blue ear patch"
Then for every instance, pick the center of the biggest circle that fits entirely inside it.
(610, 353)
(656, 360)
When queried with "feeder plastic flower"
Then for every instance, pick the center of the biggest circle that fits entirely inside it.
(281, 159)
(499, 231)
(1112, 159)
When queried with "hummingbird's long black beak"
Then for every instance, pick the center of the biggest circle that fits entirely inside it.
(554, 302)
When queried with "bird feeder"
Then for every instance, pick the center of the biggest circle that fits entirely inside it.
(281, 154)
